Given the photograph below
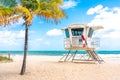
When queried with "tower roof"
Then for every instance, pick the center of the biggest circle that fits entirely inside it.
(82, 26)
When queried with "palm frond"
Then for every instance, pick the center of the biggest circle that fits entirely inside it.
(8, 20)
(31, 5)
(8, 3)
(50, 10)
(7, 15)
(6, 11)
(27, 16)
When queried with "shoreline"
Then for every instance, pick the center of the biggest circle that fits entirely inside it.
(110, 59)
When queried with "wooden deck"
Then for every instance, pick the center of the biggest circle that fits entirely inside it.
(79, 48)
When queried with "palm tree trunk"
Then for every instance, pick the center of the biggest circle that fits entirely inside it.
(23, 69)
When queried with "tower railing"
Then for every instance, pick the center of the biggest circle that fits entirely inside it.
(67, 43)
(78, 42)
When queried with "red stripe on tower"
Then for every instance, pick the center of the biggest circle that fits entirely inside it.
(84, 41)
(83, 38)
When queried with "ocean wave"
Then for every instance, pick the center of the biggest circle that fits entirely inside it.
(109, 55)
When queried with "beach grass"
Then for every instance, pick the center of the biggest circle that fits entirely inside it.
(5, 59)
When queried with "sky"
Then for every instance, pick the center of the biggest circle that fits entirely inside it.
(48, 36)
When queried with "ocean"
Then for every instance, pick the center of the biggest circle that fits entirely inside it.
(114, 54)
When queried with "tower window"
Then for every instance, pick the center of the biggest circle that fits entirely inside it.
(90, 32)
(77, 31)
(67, 33)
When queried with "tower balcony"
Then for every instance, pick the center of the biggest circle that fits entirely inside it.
(76, 43)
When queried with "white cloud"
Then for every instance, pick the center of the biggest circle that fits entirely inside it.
(37, 42)
(11, 38)
(21, 34)
(54, 32)
(47, 43)
(109, 18)
(114, 35)
(97, 9)
(39, 39)
(69, 4)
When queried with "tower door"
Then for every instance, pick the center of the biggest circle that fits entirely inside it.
(76, 37)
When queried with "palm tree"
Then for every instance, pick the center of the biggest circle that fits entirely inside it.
(7, 12)
(47, 9)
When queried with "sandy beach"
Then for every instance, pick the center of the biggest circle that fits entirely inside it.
(48, 68)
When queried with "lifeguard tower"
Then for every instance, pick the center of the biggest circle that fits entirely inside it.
(79, 37)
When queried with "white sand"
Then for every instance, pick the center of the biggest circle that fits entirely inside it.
(47, 68)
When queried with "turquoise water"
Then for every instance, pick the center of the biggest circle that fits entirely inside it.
(58, 53)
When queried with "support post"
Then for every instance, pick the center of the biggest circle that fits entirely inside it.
(74, 55)
(9, 55)
(67, 56)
